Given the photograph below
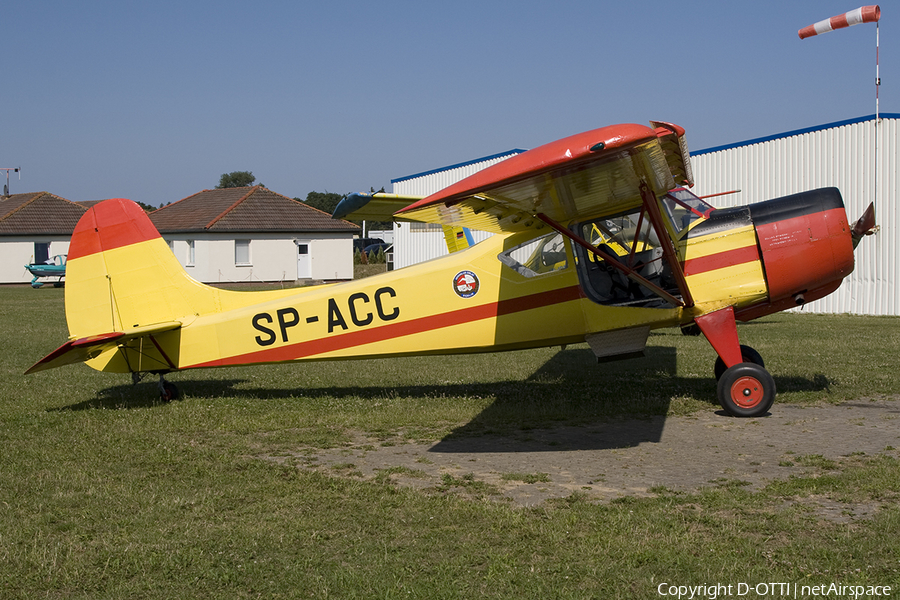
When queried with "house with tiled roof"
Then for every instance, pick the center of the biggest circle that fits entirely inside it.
(33, 227)
(254, 234)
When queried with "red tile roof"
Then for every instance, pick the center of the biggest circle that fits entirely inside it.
(38, 213)
(245, 209)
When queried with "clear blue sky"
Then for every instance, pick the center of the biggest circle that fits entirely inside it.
(153, 101)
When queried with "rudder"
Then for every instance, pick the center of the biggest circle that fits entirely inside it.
(121, 274)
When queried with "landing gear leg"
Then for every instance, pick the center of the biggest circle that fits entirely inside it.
(167, 390)
(745, 388)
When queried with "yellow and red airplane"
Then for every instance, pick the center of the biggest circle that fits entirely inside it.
(598, 240)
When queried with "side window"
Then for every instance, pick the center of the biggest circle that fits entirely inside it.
(242, 252)
(630, 243)
(537, 257)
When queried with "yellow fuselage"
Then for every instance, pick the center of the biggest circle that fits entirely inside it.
(468, 301)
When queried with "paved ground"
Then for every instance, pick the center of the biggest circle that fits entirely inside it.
(627, 457)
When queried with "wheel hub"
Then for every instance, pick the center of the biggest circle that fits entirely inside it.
(747, 392)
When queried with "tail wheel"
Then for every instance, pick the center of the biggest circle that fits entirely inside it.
(748, 355)
(168, 391)
(746, 390)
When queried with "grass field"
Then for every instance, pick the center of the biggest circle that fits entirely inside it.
(106, 493)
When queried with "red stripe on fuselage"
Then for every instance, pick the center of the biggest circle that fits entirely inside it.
(341, 341)
(108, 225)
(720, 260)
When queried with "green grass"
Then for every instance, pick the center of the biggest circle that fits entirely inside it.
(106, 493)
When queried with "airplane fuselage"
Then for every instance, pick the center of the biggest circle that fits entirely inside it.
(513, 291)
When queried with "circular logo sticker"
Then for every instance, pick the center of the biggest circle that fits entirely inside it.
(466, 284)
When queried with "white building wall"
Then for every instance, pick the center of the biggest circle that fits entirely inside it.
(842, 156)
(18, 251)
(273, 257)
(332, 258)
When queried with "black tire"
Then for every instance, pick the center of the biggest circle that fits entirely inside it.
(748, 355)
(746, 390)
(169, 392)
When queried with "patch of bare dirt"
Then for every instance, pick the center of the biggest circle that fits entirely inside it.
(628, 457)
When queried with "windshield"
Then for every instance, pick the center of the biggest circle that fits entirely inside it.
(683, 208)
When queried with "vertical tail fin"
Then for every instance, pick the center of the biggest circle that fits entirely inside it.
(127, 296)
(121, 275)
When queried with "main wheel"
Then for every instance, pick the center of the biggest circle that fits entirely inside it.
(748, 355)
(746, 390)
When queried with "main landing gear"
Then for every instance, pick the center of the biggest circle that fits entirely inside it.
(745, 388)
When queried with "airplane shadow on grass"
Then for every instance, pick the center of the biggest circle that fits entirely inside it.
(569, 403)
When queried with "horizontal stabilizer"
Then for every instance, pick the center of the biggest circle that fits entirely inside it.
(86, 348)
(372, 207)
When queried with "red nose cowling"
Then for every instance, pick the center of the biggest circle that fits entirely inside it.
(806, 248)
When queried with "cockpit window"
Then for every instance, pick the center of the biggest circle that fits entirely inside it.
(543, 255)
(683, 208)
(627, 243)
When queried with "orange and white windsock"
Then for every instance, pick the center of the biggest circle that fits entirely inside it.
(863, 14)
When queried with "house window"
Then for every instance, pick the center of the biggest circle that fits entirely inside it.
(41, 252)
(190, 253)
(242, 252)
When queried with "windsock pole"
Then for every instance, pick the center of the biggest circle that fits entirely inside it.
(863, 14)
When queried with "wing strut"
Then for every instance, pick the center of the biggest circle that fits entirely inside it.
(629, 272)
(652, 206)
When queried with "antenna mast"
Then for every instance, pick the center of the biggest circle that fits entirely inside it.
(8, 169)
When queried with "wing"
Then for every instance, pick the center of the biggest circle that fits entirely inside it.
(382, 207)
(588, 174)
(375, 207)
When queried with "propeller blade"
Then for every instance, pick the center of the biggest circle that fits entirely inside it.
(865, 225)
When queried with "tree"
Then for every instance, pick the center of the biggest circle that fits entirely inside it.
(324, 201)
(147, 207)
(236, 179)
(327, 201)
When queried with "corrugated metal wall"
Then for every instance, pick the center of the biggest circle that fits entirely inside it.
(425, 184)
(840, 155)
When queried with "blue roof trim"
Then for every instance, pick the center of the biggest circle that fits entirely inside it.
(457, 166)
(795, 132)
